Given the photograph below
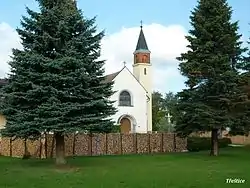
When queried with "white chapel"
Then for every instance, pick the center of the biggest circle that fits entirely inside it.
(133, 96)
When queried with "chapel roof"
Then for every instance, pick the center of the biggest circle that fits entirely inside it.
(3, 81)
(110, 77)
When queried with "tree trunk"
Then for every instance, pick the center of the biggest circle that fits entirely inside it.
(60, 149)
(26, 152)
(214, 143)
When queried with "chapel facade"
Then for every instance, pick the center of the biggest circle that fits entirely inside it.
(133, 96)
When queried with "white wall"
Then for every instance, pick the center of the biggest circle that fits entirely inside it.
(126, 81)
(146, 81)
(2, 121)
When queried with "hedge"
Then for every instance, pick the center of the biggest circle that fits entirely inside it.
(204, 143)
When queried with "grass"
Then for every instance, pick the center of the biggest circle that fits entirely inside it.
(175, 170)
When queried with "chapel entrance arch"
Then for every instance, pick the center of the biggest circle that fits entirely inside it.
(127, 123)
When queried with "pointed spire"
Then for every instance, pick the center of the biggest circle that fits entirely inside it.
(141, 44)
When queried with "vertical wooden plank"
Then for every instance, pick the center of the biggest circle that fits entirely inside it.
(46, 145)
(74, 143)
(52, 146)
(10, 147)
(121, 142)
(162, 136)
(135, 143)
(41, 147)
(90, 144)
(149, 146)
(106, 144)
(174, 140)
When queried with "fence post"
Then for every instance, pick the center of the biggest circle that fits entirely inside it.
(121, 143)
(135, 143)
(162, 138)
(52, 147)
(74, 143)
(174, 142)
(90, 144)
(46, 145)
(106, 143)
(149, 147)
(41, 147)
(10, 147)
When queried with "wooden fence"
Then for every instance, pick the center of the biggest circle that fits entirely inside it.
(96, 144)
(238, 139)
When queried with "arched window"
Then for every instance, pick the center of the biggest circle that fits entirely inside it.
(125, 99)
(144, 59)
(145, 71)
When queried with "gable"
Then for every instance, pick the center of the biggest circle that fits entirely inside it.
(128, 75)
(110, 77)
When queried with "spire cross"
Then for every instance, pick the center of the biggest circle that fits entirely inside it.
(141, 23)
(124, 63)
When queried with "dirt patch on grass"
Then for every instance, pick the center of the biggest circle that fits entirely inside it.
(66, 168)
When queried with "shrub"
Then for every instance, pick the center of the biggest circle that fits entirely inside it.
(204, 143)
(116, 129)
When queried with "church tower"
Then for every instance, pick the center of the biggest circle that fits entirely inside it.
(142, 70)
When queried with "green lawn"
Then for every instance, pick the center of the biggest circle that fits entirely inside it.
(176, 170)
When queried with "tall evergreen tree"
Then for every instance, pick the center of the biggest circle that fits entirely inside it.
(210, 67)
(56, 81)
(241, 108)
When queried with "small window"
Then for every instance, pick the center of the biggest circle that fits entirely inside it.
(125, 99)
(144, 59)
(145, 71)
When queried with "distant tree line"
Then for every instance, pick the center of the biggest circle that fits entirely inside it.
(162, 105)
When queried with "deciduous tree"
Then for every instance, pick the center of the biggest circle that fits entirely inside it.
(157, 109)
(162, 105)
